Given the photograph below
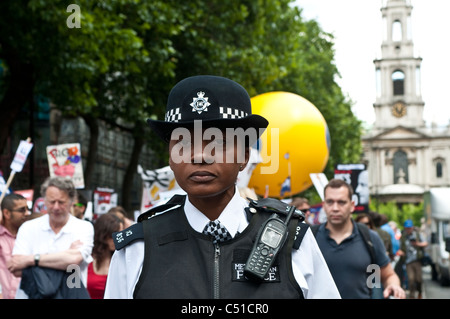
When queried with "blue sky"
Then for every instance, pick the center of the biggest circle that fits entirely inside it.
(357, 27)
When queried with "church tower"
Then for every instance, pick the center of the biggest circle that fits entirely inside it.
(404, 157)
(398, 93)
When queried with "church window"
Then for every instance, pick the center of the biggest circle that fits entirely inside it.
(398, 80)
(438, 169)
(400, 168)
(397, 31)
(439, 165)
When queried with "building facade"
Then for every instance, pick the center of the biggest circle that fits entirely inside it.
(404, 156)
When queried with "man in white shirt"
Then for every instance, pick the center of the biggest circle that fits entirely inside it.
(178, 257)
(57, 239)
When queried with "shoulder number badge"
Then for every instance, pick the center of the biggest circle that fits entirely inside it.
(200, 103)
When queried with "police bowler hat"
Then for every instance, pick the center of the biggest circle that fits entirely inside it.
(216, 101)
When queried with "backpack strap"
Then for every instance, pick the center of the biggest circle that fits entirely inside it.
(315, 229)
(365, 233)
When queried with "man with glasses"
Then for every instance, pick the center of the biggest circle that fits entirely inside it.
(302, 204)
(55, 240)
(344, 248)
(15, 211)
(79, 206)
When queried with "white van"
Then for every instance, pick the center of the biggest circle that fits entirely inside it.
(437, 215)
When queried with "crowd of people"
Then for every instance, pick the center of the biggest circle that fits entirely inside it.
(35, 246)
(405, 248)
(60, 254)
(89, 244)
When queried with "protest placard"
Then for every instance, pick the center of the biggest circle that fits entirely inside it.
(21, 155)
(104, 199)
(65, 160)
(17, 164)
(357, 176)
(155, 182)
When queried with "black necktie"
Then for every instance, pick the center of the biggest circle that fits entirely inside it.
(219, 232)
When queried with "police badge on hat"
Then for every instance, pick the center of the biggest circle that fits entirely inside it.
(200, 103)
(214, 100)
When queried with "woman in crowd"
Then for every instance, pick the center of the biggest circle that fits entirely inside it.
(102, 252)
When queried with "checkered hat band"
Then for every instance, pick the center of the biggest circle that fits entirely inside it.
(173, 115)
(230, 113)
(217, 231)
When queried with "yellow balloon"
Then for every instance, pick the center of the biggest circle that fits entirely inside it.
(295, 144)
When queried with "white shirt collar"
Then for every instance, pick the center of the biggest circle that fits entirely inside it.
(68, 227)
(232, 217)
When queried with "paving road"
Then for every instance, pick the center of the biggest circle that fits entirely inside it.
(433, 290)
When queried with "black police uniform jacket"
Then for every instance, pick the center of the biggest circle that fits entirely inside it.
(181, 263)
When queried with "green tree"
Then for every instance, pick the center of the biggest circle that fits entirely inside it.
(268, 46)
(120, 65)
(398, 213)
(100, 71)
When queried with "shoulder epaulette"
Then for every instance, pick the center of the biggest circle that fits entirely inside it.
(128, 235)
(300, 232)
(174, 201)
(136, 231)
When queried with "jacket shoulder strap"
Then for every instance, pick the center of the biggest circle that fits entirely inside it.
(300, 232)
(128, 235)
(174, 201)
(136, 231)
(296, 226)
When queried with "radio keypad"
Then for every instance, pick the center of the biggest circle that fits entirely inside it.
(261, 259)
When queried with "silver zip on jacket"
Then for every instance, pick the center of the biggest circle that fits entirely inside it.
(216, 276)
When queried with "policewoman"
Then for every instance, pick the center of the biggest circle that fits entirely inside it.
(202, 245)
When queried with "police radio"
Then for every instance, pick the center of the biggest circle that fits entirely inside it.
(271, 237)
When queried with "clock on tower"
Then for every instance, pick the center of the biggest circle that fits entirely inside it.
(399, 109)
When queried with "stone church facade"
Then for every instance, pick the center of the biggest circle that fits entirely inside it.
(404, 157)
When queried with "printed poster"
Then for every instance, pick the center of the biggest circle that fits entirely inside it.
(21, 156)
(104, 199)
(155, 183)
(357, 176)
(65, 160)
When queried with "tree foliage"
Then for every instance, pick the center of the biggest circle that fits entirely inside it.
(399, 213)
(120, 65)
